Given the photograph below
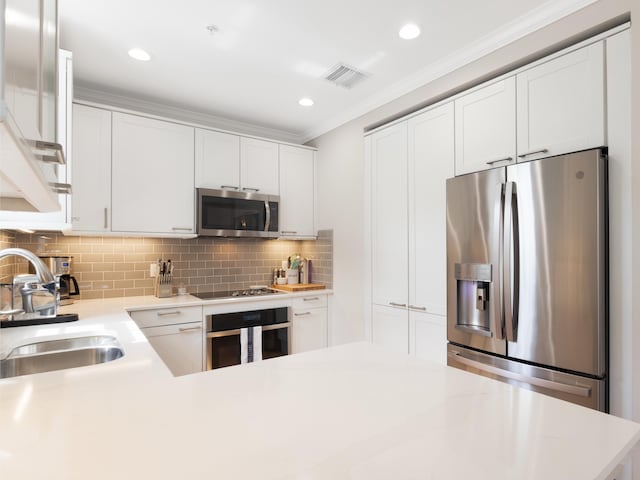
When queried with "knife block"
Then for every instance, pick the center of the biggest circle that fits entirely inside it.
(162, 287)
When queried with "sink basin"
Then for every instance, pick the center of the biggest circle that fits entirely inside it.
(60, 354)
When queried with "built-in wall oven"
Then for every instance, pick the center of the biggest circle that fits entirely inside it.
(245, 337)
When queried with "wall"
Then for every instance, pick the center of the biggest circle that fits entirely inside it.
(7, 266)
(341, 164)
(119, 266)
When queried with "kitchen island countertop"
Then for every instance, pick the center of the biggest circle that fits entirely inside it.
(352, 411)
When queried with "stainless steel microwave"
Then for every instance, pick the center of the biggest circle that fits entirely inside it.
(227, 213)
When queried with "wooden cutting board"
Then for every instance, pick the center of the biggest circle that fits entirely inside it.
(299, 287)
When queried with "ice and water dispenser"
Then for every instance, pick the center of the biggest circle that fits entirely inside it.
(473, 282)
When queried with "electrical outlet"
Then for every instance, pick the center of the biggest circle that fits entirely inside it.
(153, 270)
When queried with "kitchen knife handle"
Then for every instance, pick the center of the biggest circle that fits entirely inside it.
(542, 150)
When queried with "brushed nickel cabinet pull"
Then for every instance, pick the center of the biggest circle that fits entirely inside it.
(505, 159)
(542, 150)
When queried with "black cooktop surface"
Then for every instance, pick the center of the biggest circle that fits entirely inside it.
(250, 292)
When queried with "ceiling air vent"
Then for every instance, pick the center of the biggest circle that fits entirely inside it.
(345, 76)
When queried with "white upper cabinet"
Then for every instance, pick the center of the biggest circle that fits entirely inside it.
(389, 268)
(153, 176)
(91, 170)
(259, 166)
(231, 162)
(217, 160)
(485, 128)
(296, 214)
(561, 106)
(431, 159)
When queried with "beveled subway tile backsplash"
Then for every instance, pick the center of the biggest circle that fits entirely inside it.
(119, 266)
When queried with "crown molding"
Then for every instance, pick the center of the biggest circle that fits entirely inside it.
(93, 95)
(546, 14)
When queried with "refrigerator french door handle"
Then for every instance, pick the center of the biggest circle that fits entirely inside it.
(511, 267)
(578, 390)
(496, 283)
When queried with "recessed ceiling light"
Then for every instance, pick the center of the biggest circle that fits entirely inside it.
(409, 31)
(305, 102)
(139, 54)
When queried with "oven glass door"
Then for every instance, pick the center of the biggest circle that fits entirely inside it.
(225, 348)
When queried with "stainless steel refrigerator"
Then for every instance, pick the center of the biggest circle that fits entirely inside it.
(527, 276)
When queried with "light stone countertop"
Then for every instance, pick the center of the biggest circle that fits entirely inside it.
(348, 412)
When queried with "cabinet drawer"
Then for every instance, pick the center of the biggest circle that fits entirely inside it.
(309, 301)
(166, 316)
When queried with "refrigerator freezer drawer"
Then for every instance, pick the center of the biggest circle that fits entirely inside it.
(577, 389)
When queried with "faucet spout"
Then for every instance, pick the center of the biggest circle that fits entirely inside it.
(42, 272)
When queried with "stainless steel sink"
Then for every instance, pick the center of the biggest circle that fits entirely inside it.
(51, 355)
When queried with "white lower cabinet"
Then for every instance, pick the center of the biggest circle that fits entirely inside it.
(428, 334)
(179, 346)
(176, 334)
(309, 316)
(390, 328)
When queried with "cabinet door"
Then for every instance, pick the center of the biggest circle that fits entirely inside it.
(431, 162)
(485, 127)
(428, 334)
(389, 216)
(22, 64)
(91, 169)
(309, 331)
(390, 328)
(217, 163)
(152, 172)
(561, 106)
(259, 166)
(179, 346)
(296, 214)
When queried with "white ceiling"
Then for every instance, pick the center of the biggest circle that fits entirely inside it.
(270, 53)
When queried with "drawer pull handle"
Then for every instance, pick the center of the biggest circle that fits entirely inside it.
(248, 189)
(61, 188)
(48, 152)
(229, 187)
(164, 314)
(302, 314)
(189, 329)
(311, 299)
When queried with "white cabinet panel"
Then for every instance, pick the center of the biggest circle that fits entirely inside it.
(389, 215)
(561, 105)
(91, 169)
(217, 160)
(259, 166)
(390, 328)
(485, 127)
(428, 337)
(309, 330)
(297, 192)
(179, 346)
(152, 171)
(431, 161)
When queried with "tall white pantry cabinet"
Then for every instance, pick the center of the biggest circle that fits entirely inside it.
(410, 162)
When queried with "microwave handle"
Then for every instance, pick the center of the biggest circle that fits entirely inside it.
(267, 208)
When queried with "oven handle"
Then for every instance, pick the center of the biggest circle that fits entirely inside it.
(265, 328)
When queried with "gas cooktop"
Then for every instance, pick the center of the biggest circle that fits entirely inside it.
(250, 292)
